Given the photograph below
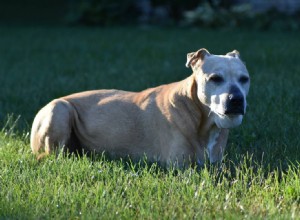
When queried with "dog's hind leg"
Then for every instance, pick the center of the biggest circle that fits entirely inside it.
(51, 128)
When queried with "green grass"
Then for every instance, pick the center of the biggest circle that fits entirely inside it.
(260, 177)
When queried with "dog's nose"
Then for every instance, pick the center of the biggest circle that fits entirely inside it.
(235, 104)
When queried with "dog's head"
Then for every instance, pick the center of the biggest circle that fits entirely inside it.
(223, 84)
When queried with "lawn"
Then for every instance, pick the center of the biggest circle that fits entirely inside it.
(260, 176)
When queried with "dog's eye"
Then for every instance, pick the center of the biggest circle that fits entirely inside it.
(216, 79)
(244, 79)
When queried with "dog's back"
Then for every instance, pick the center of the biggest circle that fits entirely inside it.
(113, 121)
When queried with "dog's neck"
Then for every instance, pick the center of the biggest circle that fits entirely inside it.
(192, 111)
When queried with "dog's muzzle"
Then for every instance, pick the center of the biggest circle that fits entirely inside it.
(235, 103)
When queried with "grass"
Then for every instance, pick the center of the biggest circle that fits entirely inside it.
(260, 177)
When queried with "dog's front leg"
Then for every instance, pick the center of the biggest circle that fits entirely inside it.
(216, 144)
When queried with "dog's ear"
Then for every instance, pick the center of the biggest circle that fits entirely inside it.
(234, 53)
(193, 57)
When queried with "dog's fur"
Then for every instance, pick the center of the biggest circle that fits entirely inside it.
(174, 123)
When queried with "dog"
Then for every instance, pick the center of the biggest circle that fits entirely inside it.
(179, 123)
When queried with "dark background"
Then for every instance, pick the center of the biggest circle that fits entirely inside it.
(33, 11)
(263, 14)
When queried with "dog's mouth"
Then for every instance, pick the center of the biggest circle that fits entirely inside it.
(228, 115)
(223, 120)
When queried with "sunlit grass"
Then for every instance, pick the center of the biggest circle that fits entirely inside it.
(71, 187)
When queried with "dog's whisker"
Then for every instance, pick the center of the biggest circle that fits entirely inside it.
(209, 113)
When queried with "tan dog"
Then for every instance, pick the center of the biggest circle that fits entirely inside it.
(174, 123)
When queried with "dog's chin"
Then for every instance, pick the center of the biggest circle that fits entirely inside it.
(227, 121)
